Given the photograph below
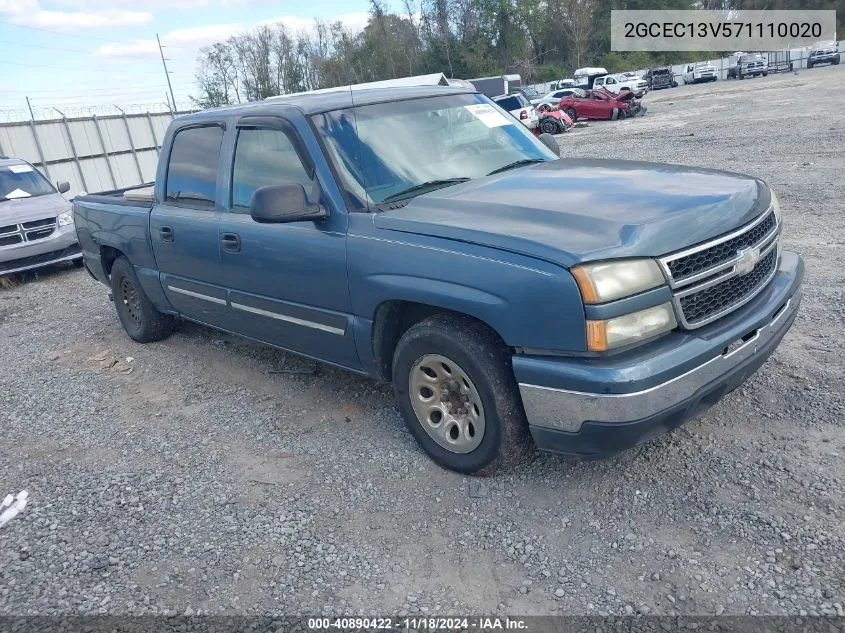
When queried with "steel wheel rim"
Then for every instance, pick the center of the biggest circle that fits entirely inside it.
(447, 404)
(131, 299)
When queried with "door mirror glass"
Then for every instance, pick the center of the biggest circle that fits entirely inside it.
(63, 186)
(286, 202)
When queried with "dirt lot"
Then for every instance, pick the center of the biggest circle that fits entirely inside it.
(211, 480)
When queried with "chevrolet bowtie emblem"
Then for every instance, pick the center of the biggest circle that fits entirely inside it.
(747, 260)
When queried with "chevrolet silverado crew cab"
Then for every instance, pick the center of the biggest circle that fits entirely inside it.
(423, 236)
(36, 222)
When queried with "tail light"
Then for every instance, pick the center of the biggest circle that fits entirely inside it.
(523, 114)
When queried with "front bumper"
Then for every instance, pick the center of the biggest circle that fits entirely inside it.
(60, 246)
(623, 402)
(827, 58)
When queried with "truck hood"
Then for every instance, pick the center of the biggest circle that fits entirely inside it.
(571, 211)
(20, 210)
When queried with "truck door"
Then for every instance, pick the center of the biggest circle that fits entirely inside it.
(183, 226)
(287, 282)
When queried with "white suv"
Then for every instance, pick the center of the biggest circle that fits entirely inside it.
(520, 108)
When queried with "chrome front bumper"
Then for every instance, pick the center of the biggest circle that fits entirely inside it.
(567, 410)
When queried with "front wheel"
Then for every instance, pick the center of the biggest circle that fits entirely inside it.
(572, 114)
(455, 388)
(549, 125)
(809, 65)
(138, 316)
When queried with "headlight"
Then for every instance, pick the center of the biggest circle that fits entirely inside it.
(630, 328)
(66, 218)
(606, 281)
(776, 206)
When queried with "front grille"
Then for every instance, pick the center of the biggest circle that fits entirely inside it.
(716, 299)
(8, 240)
(36, 223)
(40, 234)
(27, 232)
(703, 260)
(711, 279)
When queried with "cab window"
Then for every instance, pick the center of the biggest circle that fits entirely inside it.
(192, 169)
(264, 157)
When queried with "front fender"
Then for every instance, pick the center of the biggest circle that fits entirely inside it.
(529, 303)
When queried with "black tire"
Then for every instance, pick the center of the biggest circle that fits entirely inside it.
(765, 74)
(836, 61)
(478, 353)
(572, 114)
(622, 115)
(740, 76)
(78, 263)
(138, 316)
(549, 125)
(809, 65)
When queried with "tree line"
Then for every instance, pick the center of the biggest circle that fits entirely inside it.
(539, 39)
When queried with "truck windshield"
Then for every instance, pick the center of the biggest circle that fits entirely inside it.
(22, 181)
(403, 144)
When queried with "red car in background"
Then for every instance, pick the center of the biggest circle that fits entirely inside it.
(594, 104)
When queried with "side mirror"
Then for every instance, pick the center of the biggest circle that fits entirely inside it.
(551, 142)
(283, 203)
(63, 186)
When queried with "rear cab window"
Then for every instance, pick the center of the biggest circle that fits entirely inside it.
(191, 179)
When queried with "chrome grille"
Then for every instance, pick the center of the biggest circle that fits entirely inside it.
(702, 260)
(714, 278)
(713, 300)
(27, 232)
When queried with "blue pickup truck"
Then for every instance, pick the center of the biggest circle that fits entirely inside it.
(424, 237)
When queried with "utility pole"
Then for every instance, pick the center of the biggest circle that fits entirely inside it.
(29, 105)
(166, 73)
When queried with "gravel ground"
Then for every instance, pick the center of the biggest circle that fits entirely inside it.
(211, 479)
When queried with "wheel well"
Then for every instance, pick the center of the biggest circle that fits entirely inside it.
(393, 319)
(108, 255)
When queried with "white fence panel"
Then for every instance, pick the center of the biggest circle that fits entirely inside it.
(92, 154)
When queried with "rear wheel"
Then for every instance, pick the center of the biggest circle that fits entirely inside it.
(455, 388)
(138, 316)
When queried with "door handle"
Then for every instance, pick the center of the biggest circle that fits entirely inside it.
(231, 242)
(166, 233)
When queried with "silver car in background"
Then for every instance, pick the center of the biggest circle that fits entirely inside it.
(36, 221)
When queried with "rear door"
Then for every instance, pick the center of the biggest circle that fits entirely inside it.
(287, 283)
(183, 225)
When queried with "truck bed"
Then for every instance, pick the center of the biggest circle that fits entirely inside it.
(135, 196)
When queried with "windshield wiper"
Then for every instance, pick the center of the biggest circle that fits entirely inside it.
(423, 187)
(517, 163)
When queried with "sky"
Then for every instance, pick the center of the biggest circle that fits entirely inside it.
(73, 54)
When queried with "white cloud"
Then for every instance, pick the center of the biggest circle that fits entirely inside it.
(194, 38)
(30, 13)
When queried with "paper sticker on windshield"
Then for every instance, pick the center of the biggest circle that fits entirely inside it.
(19, 169)
(488, 115)
(17, 193)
